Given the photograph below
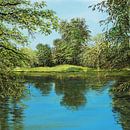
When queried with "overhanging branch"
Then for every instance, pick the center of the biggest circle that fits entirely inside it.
(21, 55)
(9, 4)
(6, 48)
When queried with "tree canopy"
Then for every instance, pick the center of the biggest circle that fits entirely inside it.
(117, 28)
(118, 19)
(18, 20)
(18, 15)
(74, 35)
(44, 55)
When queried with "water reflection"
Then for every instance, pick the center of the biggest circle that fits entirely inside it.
(73, 95)
(12, 90)
(73, 90)
(121, 102)
(43, 85)
(11, 115)
(4, 110)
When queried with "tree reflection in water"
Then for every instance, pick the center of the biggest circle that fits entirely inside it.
(121, 102)
(73, 90)
(11, 113)
(73, 96)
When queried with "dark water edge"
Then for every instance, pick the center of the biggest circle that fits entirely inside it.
(92, 101)
(77, 75)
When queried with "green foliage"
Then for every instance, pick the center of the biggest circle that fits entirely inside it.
(95, 55)
(59, 55)
(21, 14)
(104, 54)
(118, 33)
(121, 96)
(74, 35)
(16, 18)
(118, 17)
(75, 30)
(10, 86)
(44, 55)
(31, 57)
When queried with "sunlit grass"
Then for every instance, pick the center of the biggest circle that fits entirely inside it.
(59, 68)
(65, 68)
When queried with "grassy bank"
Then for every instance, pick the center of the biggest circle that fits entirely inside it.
(66, 68)
(69, 71)
(59, 69)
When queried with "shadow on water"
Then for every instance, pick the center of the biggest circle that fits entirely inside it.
(121, 102)
(73, 96)
(11, 115)
(12, 90)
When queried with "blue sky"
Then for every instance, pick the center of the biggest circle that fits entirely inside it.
(67, 9)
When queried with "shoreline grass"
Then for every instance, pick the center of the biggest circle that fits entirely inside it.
(58, 69)
(65, 68)
(69, 71)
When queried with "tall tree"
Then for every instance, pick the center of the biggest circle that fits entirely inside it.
(74, 35)
(58, 52)
(44, 55)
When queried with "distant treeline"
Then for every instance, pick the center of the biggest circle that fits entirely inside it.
(77, 47)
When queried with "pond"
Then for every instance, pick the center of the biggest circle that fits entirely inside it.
(68, 104)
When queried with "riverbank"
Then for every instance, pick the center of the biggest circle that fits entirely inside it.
(69, 71)
(65, 68)
(59, 69)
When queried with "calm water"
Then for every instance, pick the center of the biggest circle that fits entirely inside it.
(67, 104)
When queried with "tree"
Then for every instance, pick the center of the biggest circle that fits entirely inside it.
(97, 55)
(15, 16)
(31, 55)
(118, 33)
(76, 30)
(118, 17)
(21, 14)
(98, 39)
(74, 35)
(44, 55)
(58, 52)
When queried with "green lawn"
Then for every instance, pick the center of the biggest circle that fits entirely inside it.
(59, 68)
(64, 68)
(69, 71)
